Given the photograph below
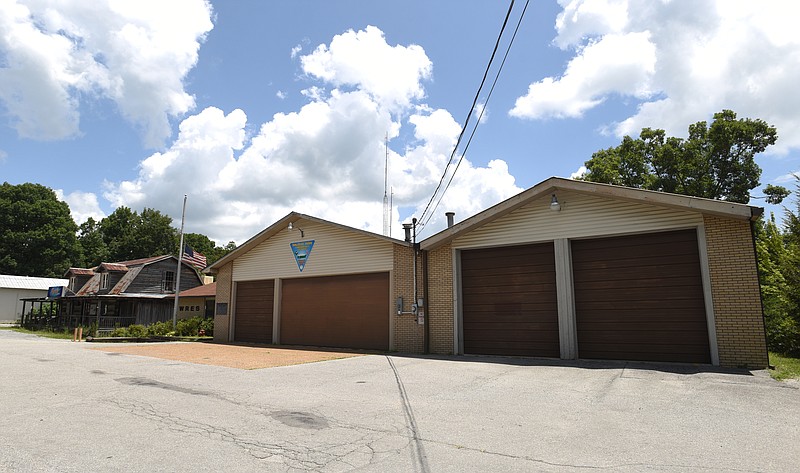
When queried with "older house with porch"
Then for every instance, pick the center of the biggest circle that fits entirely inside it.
(118, 294)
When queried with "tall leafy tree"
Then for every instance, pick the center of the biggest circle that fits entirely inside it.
(154, 234)
(118, 234)
(37, 233)
(91, 240)
(207, 247)
(129, 235)
(777, 274)
(716, 161)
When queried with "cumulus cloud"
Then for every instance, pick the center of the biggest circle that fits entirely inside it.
(363, 59)
(82, 205)
(579, 173)
(616, 63)
(682, 64)
(136, 54)
(325, 159)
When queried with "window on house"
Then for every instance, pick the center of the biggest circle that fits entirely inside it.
(104, 281)
(168, 282)
(72, 283)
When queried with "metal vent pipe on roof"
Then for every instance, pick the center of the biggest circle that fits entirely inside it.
(407, 229)
(450, 216)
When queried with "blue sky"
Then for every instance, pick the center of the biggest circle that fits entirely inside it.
(255, 109)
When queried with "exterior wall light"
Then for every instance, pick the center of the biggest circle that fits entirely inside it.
(554, 205)
(291, 227)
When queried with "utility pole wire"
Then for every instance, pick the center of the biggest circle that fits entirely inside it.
(471, 109)
(475, 127)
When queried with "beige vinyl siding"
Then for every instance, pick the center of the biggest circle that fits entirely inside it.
(581, 216)
(335, 251)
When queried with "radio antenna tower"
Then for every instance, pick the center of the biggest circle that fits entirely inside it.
(386, 186)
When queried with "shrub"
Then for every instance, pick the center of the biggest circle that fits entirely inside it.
(188, 327)
(119, 332)
(783, 334)
(91, 330)
(161, 329)
(138, 331)
(208, 326)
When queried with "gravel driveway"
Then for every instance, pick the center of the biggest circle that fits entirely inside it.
(232, 356)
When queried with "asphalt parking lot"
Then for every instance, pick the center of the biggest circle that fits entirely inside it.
(67, 407)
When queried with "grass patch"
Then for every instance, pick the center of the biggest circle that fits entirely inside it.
(786, 367)
(43, 333)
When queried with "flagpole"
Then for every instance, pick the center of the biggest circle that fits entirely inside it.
(178, 275)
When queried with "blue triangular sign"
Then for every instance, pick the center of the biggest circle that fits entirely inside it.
(301, 251)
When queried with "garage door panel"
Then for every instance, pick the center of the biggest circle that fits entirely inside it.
(644, 294)
(600, 253)
(505, 297)
(529, 332)
(658, 280)
(622, 334)
(630, 242)
(349, 311)
(640, 297)
(510, 269)
(509, 301)
(506, 348)
(480, 281)
(254, 307)
(672, 264)
(667, 355)
(513, 311)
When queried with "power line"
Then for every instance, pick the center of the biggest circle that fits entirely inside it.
(475, 127)
(425, 217)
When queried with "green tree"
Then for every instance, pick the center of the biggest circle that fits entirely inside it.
(94, 248)
(716, 161)
(207, 247)
(37, 233)
(777, 275)
(154, 234)
(118, 234)
(129, 235)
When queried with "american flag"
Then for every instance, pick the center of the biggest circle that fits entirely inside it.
(195, 258)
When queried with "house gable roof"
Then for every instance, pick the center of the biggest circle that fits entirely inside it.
(131, 268)
(549, 186)
(207, 290)
(281, 225)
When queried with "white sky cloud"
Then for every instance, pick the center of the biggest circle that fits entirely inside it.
(325, 159)
(82, 205)
(391, 74)
(136, 54)
(684, 63)
(579, 173)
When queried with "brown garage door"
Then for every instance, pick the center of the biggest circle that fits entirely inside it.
(509, 301)
(349, 311)
(253, 318)
(640, 297)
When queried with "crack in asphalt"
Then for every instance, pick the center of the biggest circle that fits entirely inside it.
(293, 455)
(359, 452)
(420, 458)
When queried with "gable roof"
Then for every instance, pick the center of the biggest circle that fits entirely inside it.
(112, 267)
(281, 225)
(207, 290)
(549, 186)
(131, 268)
